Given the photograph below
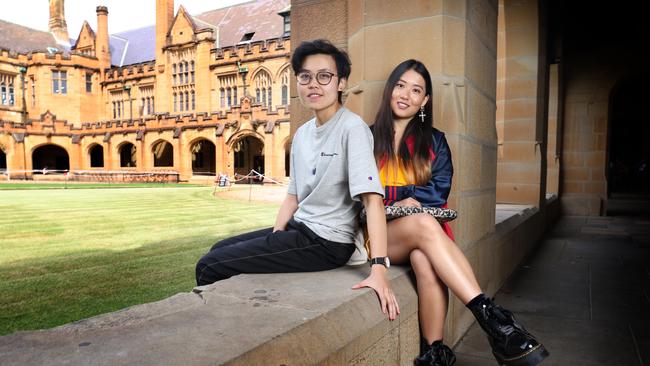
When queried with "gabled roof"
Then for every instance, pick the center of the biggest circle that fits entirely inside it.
(182, 12)
(91, 33)
(23, 39)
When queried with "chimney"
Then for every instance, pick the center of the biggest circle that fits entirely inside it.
(102, 50)
(164, 19)
(57, 25)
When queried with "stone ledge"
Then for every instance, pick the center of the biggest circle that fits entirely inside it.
(279, 319)
(303, 318)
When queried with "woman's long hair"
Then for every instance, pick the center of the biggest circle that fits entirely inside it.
(418, 164)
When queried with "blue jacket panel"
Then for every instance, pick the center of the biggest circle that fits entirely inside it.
(436, 192)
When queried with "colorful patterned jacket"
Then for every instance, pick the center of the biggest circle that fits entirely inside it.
(436, 191)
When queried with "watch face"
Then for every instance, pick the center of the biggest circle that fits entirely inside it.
(387, 262)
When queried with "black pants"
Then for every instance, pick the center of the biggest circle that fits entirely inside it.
(297, 249)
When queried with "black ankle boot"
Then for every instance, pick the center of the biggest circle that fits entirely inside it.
(511, 344)
(436, 354)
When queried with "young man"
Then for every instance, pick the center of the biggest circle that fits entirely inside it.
(332, 169)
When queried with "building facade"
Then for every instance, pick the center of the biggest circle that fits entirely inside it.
(192, 95)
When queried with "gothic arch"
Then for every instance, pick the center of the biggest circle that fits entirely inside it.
(162, 152)
(278, 75)
(127, 158)
(95, 152)
(49, 156)
(243, 134)
(261, 69)
(202, 152)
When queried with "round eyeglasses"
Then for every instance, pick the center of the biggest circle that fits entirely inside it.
(322, 77)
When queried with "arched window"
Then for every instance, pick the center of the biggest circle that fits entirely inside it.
(3, 93)
(187, 79)
(269, 96)
(175, 100)
(180, 104)
(174, 74)
(228, 85)
(192, 70)
(262, 84)
(193, 100)
(187, 102)
(285, 87)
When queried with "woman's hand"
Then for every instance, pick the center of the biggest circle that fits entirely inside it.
(378, 282)
(408, 202)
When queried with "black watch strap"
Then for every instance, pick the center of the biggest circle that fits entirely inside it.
(379, 260)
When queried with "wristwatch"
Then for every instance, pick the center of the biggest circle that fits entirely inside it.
(380, 260)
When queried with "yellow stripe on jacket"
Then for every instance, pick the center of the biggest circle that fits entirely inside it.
(393, 174)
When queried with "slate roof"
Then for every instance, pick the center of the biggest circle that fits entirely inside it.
(133, 46)
(139, 45)
(23, 39)
(259, 16)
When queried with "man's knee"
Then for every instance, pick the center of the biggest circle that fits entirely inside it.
(208, 272)
(201, 266)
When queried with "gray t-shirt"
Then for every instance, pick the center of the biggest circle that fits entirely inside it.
(331, 166)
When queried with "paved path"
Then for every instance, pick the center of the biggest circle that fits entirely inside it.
(585, 293)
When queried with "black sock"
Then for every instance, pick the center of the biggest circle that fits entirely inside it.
(475, 302)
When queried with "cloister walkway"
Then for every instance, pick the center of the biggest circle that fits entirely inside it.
(586, 293)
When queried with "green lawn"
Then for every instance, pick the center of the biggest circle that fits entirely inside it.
(62, 185)
(71, 254)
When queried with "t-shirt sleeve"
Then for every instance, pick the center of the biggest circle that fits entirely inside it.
(292, 173)
(362, 169)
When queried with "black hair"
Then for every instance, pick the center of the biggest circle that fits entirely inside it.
(321, 47)
(418, 165)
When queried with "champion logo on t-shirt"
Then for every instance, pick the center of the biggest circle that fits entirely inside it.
(326, 154)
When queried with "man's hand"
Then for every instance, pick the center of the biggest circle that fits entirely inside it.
(408, 202)
(287, 209)
(378, 282)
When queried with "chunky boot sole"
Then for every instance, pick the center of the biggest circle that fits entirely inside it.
(531, 358)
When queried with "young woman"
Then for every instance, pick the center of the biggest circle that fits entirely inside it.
(415, 169)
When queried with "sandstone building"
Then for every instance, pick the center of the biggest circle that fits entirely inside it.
(190, 95)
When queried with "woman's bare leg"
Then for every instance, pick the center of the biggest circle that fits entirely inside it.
(422, 231)
(433, 298)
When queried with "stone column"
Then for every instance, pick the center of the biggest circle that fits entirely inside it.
(522, 104)
(554, 131)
